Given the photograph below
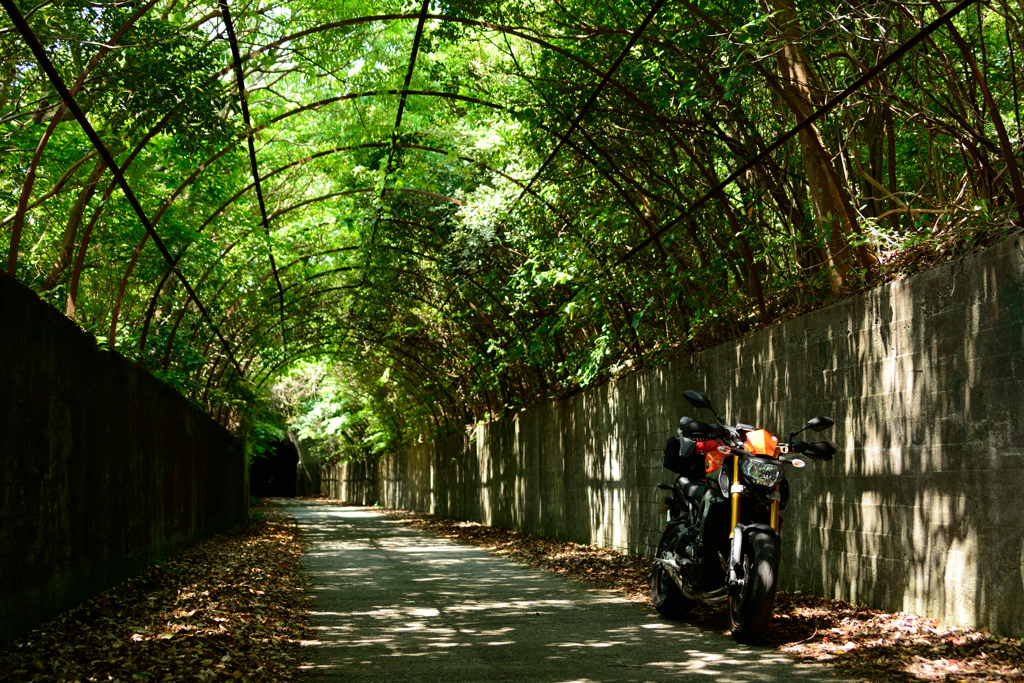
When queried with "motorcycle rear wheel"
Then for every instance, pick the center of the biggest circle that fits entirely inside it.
(750, 609)
(665, 594)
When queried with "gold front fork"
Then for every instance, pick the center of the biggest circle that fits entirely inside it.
(735, 494)
(776, 505)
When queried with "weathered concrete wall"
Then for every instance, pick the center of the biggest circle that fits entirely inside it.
(355, 482)
(103, 469)
(921, 509)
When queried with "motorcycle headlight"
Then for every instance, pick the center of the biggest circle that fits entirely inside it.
(761, 473)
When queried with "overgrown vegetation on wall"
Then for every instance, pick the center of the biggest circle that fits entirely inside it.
(449, 194)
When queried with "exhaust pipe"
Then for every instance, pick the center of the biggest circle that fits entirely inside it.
(706, 597)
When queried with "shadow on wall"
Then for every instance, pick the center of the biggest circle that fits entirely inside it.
(351, 482)
(105, 469)
(274, 475)
(918, 512)
(307, 469)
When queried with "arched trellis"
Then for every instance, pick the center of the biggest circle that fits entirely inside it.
(207, 164)
(324, 338)
(224, 284)
(54, 78)
(581, 152)
(256, 325)
(252, 330)
(613, 172)
(330, 337)
(30, 174)
(403, 93)
(314, 106)
(317, 348)
(476, 162)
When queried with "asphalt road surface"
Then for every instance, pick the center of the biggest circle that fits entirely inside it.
(396, 604)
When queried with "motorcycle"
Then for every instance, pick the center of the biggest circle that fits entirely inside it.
(722, 541)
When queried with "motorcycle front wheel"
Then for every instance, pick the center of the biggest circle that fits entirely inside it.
(750, 608)
(665, 594)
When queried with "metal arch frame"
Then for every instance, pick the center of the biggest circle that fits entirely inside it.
(476, 24)
(413, 54)
(29, 182)
(230, 309)
(653, 237)
(156, 292)
(331, 195)
(316, 105)
(207, 273)
(206, 164)
(428, 148)
(69, 100)
(368, 145)
(441, 385)
(605, 78)
(258, 324)
(152, 133)
(355, 21)
(460, 20)
(636, 35)
(451, 19)
(403, 93)
(244, 100)
(866, 77)
(343, 193)
(349, 333)
(271, 369)
(574, 146)
(306, 159)
(312, 294)
(251, 331)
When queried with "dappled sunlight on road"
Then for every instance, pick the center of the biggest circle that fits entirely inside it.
(392, 603)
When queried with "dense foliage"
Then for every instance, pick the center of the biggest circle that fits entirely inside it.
(451, 188)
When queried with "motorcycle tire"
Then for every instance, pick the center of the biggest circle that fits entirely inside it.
(665, 594)
(750, 609)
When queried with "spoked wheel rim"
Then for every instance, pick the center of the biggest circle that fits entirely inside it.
(660, 579)
(661, 584)
(750, 606)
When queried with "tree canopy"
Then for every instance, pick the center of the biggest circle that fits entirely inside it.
(429, 212)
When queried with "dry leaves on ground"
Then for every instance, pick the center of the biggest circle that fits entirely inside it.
(231, 607)
(859, 642)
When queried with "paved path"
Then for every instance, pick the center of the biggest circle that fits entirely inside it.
(396, 604)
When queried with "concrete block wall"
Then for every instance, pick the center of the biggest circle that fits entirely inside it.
(919, 511)
(103, 469)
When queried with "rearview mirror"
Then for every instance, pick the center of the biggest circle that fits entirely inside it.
(697, 399)
(819, 424)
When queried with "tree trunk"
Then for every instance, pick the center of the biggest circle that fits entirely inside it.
(832, 213)
(67, 245)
